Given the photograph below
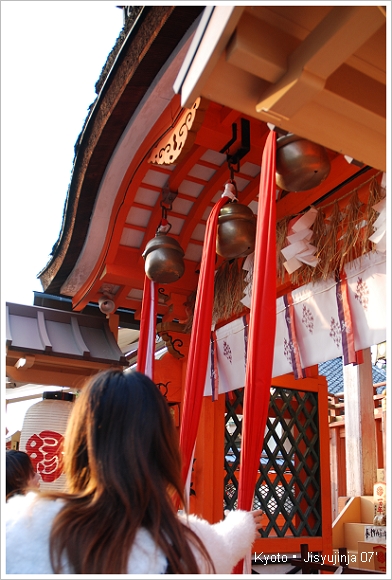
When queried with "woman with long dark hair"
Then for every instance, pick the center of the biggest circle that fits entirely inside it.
(123, 469)
(20, 473)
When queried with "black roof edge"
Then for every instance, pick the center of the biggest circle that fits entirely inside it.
(127, 317)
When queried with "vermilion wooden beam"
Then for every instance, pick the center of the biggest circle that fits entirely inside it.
(182, 170)
(133, 276)
(215, 184)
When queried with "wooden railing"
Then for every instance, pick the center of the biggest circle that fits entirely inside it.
(336, 420)
(336, 404)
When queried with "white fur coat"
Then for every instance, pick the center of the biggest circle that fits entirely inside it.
(29, 519)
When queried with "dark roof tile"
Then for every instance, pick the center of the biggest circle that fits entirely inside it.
(333, 371)
(57, 333)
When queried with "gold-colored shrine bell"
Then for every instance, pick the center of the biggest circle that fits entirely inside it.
(236, 231)
(300, 164)
(164, 259)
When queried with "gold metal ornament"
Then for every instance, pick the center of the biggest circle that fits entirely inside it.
(236, 231)
(300, 164)
(163, 257)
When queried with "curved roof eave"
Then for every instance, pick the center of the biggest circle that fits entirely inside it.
(149, 44)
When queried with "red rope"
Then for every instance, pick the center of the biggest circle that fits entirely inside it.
(262, 323)
(199, 343)
(146, 350)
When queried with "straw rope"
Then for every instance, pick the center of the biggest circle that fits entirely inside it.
(340, 236)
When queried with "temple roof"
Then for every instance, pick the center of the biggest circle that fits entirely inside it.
(64, 347)
(126, 169)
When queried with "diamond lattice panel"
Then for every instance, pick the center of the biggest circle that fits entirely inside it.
(288, 483)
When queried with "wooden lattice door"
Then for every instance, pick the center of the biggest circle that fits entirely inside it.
(293, 484)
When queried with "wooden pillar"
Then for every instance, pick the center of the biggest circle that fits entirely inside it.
(334, 448)
(114, 321)
(338, 464)
(361, 452)
(384, 434)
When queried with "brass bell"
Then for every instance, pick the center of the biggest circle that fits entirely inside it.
(163, 259)
(300, 164)
(236, 231)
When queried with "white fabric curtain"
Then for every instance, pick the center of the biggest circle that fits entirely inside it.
(318, 327)
(368, 299)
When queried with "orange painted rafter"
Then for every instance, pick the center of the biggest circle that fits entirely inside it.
(140, 205)
(121, 296)
(123, 275)
(175, 179)
(125, 197)
(137, 170)
(182, 170)
(186, 196)
(151, 187)
(134, 178)
(120, 210)
(129, 258)
(161, 169)
(131, 262)
(250, 192)
(198, 180)
(133, 277)
(208, 164)
(215, 184)
(228, 116)
(133, 227)
(220, 133)
(137, 182)
(213, 135)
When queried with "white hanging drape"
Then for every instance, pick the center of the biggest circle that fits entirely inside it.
(319, 325)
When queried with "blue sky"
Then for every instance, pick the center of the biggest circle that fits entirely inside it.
(52, 53)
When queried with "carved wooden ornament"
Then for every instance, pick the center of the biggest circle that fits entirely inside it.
(178, 141)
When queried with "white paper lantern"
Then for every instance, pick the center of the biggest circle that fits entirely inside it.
(42, 437)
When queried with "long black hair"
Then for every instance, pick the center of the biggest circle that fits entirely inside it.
(123, 468)
(19, 472)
